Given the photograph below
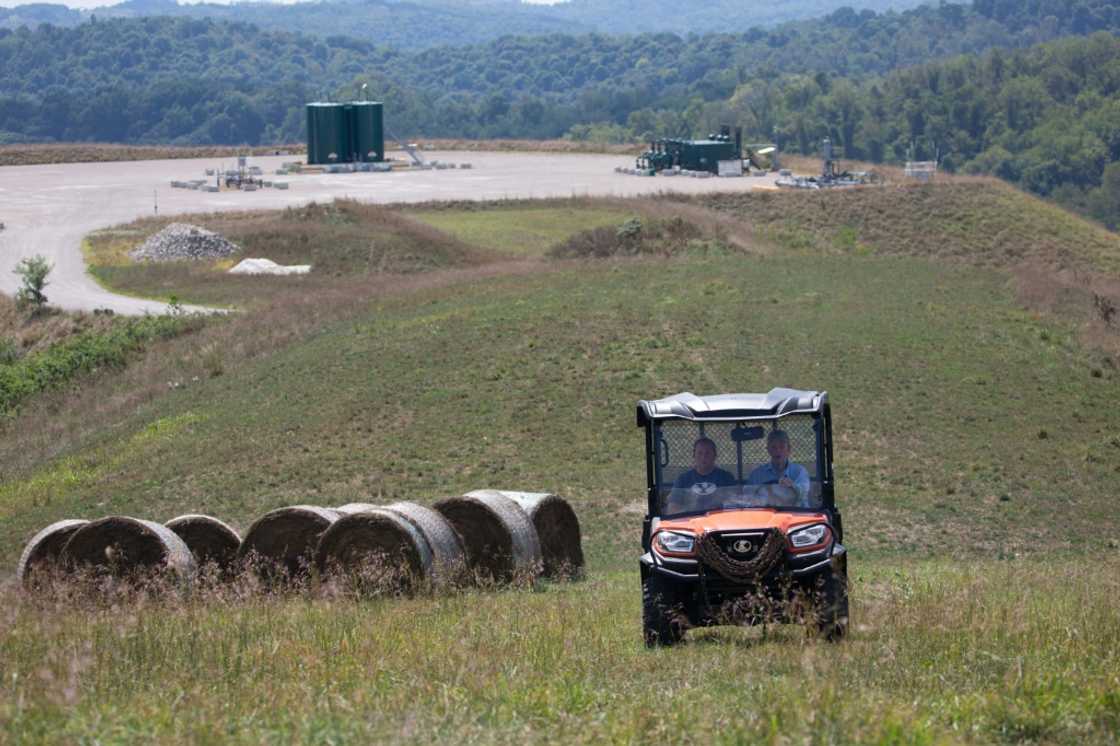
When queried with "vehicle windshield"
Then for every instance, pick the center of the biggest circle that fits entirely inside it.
(704, 466)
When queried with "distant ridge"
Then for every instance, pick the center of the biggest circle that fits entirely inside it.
(420, 24)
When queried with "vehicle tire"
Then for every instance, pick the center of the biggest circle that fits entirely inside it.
(832, 615)
(662, 618)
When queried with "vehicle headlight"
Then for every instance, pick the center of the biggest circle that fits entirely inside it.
(675, 543)
(807, 537)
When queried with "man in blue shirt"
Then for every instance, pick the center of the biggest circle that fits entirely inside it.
(780, 470)
(704, 478)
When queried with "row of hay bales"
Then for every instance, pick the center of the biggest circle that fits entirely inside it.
(483, 536)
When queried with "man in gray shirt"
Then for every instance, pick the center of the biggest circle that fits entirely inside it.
(780, 470)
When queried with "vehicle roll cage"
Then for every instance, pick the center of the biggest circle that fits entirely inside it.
(750, 412)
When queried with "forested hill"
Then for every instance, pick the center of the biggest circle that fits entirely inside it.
(641, 16)
(1046, 118)
(184, 81)
(404, 25)
(419, 24)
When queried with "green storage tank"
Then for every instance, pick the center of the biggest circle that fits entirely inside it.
(368, 130)
(328, 134)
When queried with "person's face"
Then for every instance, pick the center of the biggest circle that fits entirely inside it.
(704, 457)
(778, 450)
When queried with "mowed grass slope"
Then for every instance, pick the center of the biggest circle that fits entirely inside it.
(958, 414)
(977, 466)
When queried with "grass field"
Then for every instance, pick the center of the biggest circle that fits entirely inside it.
(345, 240)
(976, 460)
(521, 229)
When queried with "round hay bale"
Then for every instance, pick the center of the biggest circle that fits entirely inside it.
(126, 547)
(449, 561)
(283, 541)
(379, 549)
(209, 539)
(500, 541)
(349, 508)
(557, 528)
(41, 555)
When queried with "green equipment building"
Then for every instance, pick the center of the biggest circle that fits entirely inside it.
(351, 132)
(693, 155)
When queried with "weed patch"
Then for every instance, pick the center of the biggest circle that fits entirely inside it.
(83, 353)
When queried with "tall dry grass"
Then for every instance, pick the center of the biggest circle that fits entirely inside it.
(36, 154)
(28, 332)
(991, 652)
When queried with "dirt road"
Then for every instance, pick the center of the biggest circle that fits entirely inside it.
(48, 209)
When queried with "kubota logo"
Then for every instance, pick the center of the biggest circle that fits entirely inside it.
(742, 546)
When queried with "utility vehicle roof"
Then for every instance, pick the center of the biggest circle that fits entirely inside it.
(688, 406)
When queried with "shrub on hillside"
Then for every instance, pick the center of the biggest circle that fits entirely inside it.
(9, 351)
(634, 238)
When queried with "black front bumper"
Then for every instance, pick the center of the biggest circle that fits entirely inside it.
(709, 598)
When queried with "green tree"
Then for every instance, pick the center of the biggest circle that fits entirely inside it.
(33, 271)
(1104, 201)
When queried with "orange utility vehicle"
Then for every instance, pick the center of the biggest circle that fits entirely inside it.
(742, 525)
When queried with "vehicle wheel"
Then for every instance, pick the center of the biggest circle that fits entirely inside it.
(832, 615)
(662, 618)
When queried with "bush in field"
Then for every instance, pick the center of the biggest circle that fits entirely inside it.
(33, 270)
(633, 238)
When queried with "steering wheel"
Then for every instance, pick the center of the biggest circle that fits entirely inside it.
(780, 495)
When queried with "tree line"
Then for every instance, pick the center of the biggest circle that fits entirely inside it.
(420, 24)
(199, 81)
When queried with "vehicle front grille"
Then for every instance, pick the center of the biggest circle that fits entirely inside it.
(742, 546)
(742, 557)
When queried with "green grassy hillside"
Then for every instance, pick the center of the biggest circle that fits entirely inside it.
(976, 220)
(976, 460)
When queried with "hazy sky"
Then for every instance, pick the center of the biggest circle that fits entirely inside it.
(102, 3)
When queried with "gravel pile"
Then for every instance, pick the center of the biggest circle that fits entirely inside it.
(183, 241)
